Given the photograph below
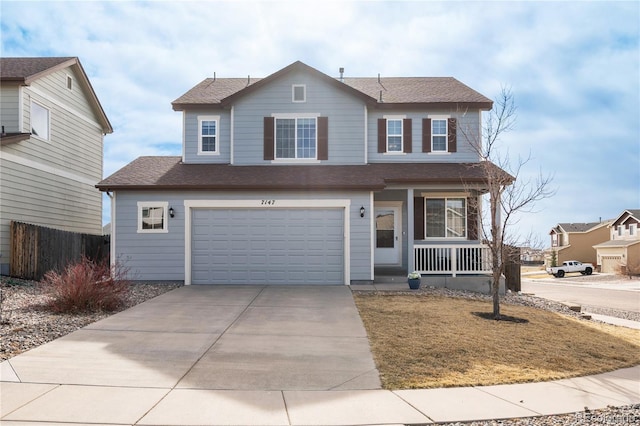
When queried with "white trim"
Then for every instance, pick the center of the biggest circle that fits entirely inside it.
(231, 134)
(216, 119)
(73, 111)
(47, 169)
(394, 117)
(41, 105)
(21, 108)
(446, 134)
(295, 114)
(295, 161)
(293, 93)
(67, 80)
(401, 120)
(267, 204)
(112, 238)
(445, 198)
(366, 139)
(372, 226)
(184, 126)
(165, 216)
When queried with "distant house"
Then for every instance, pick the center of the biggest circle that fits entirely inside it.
(574, 241)
(622, 250)
(51, 147)
(303, 178)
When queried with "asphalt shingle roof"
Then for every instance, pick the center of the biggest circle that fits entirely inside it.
(21, 69)
(171, 173)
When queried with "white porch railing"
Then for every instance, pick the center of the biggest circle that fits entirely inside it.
(452, 259)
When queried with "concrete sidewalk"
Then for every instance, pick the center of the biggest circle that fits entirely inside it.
(263, 356)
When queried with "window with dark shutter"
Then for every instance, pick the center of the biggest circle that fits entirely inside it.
(426, 135)
(269, 123)
(418, 218)
(323, 138)
(472, 219)
(382, 135)
(453, 140)
(406, 130)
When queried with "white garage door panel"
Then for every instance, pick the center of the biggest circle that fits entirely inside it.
(272, 246)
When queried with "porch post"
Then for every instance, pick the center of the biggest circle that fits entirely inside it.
(410, 230)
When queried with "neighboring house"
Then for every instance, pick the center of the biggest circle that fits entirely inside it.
(303, 178)
(574, 241)
(50, 147)
(622, 251)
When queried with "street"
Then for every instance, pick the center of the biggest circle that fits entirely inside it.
(603, 291)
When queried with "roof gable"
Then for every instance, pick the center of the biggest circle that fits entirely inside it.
(633, 214)
(379, 92)
(27, 70)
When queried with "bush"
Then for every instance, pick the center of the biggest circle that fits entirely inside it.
(86, 286)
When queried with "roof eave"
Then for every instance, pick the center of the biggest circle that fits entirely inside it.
(11, 138)
(485, 106)
(117, 187)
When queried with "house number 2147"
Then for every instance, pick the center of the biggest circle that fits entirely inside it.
(268, 202)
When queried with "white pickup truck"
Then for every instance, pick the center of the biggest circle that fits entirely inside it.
(570, 266)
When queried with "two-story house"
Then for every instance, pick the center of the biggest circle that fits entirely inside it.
(304, 178)
(51, 147)
(622, 250)
(574, 241)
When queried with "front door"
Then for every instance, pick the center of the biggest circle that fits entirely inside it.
(388, 236)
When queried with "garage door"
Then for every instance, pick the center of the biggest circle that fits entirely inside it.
(267, 246)
(611, 264)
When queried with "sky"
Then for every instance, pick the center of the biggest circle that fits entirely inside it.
(573, 69)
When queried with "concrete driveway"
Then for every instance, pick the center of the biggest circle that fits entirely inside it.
(220, 338)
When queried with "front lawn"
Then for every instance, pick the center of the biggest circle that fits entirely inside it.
(428, 341)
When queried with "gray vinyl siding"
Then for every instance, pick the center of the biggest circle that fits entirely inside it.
(192, 142)
(345, 114)
(74, 144)
(51, 182)
(9, 101)
(160, 256)
(467, 123)
(34, 196)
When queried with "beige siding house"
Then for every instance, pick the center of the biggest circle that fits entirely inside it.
(51, 147)
(575, 241)
(622, 250)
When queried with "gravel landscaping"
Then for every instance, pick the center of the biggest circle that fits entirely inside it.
(25, 323)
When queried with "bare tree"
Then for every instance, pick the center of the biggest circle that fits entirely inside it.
(507, 190)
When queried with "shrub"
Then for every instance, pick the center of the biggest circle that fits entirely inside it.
(86, 286)
(631, 269)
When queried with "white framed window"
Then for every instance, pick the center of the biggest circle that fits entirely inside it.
(152, 217)
(445, 218)
(40, 121)
(620, 230)
(298, 93)
(296, 137)
(439, 135)
(394, 135)
(632, 229)
(69, 82)
(208, 135)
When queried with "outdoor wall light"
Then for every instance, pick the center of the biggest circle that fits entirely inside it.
(171, 212)
(362, 211)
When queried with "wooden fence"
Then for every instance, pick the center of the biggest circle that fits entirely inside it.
(35, 250)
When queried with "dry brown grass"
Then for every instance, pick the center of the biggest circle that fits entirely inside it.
(426, 341)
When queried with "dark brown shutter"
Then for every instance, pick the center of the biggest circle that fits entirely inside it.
(269, 123)
(382, 135)
(406, 134)
(323, 138)
(472, 219)
(426, 135)
(418, 218)
(453, 140)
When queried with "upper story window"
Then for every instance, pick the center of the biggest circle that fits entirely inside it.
(299, 93)
(208, 130)
(439, 135)
(295, 138)
(446, 217)
(554, 240)
(632, 229)
(39, 121)
(152, 217)
(620, 230)
(394, 135)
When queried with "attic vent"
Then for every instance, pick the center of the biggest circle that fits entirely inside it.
(69, 83)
